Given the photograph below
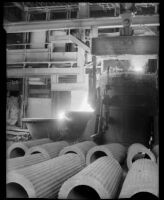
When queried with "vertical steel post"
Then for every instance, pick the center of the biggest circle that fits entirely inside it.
(94, 82)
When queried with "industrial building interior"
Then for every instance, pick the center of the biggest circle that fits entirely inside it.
(82, 107)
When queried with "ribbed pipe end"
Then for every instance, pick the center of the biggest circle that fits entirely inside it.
(18, 149)
(115, 150)
(50, 150)
(80, 149)
(138, 151)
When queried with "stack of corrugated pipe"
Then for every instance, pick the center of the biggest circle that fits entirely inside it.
(102, 176)
(82, 170)
(18, 149)
(40, 171)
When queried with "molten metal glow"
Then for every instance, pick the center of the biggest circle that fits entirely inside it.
(61, 115)
(138, 64)
(138, 69)
(85, 106)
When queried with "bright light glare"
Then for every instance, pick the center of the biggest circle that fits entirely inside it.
(61, 115)
(138, 64)
(85, 106)
(138, 69)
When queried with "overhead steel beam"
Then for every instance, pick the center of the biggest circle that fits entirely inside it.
(105, 22)
(132, 45)
(28, 72)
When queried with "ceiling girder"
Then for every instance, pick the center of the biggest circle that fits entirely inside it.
(105, 22)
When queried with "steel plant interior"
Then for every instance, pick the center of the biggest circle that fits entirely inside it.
(129, 113)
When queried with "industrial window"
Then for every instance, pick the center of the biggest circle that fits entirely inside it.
(39, 65)
(37, 16)
(13, 14)
(152, 66)
(61, 65)
(42, 94)
(39, 87)
(97, 11)
(124, 6)
(16, 66)
(105, 32)
(67, 79)
(73, 14)
(62, 14)
(14, 85)
(70, 47)
(101, 13)
(15, 40)
(149, 10)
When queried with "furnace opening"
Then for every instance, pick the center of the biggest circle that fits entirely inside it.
(83, 192)
(15, 190)
(17, 152)
(140, 155)
(96, 155)
(144, 195)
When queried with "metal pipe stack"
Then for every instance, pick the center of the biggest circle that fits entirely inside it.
(43, 180)
(19, 149)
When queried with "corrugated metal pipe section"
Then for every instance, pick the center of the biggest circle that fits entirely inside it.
(43, 180)
(142, 180)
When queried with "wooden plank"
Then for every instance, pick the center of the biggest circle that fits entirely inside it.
(134, 45)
